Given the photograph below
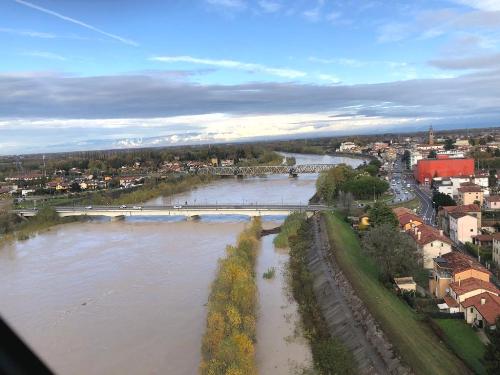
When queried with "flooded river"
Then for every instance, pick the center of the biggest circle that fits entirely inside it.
(129, 297)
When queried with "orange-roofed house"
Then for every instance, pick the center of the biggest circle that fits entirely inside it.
(431, 243)
(452, 267)
(407, 219)
(481, 310)
(462, 290)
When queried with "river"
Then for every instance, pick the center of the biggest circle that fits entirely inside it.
(129, 297)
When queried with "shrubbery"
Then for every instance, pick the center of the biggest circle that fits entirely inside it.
(228, 343)
(289, 228)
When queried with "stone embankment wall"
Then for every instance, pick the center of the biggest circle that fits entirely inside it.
(347, 317)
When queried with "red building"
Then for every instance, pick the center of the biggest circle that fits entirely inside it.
(427, 169)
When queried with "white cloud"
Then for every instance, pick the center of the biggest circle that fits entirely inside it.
(45, 55)
(234, 4)
(329, 77)
(77, 22)
(486, 5)
(393, 32)
(333, 16)
(314, 14)
(340, 61)
(269, 6)
(232, 64)
(33, 34)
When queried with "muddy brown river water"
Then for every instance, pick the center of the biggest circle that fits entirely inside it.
(129, 297)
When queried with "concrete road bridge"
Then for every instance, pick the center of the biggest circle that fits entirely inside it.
(178, 210)
(259, 170)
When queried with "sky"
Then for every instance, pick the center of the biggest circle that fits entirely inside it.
(101, 74)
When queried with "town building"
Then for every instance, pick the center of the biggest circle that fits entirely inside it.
(431, 243)
(443, 216)
(407, 218)
(347, 147)
(460, 290)
(452, 267)
(427, 169)
(481, 310)
(470, 194)
(495, 251)
(483, 240)
(462, 227)
(492, 202)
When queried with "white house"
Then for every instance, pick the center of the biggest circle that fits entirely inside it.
(462, 227)
(492, 202)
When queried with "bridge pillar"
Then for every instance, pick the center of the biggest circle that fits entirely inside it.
(193, 218)
(293, 174)
(118, 218)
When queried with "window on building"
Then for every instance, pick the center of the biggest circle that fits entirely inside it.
(471, 309)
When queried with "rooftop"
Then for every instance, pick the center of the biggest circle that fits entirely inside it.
(458, 215)
(427, 235)
(493, 198)
(462, 208)
(459, 262)
(471, 284)
(470, 189)
(487, 304)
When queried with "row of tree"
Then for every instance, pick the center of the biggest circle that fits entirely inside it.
(362, 182)
(228, 343)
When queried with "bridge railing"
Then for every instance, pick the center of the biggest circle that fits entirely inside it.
(265, 169)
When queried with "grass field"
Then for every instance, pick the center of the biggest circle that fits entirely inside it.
(464, 341)
(414, 340)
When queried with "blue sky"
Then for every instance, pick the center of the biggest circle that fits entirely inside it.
(109, 73)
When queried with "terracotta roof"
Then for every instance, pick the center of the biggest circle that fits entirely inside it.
(483, 237)
(459, 262)
(489, 310)
(409, 218)
(462, 208)
(458, 215)
(493, 198)
(470, 189)
(450, 301)
(427, 235)
(471, 284)
(399, 211)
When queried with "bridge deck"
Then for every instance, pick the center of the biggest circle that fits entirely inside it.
(116, 211)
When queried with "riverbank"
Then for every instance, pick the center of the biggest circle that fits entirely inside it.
(329, 354)
(413, 340)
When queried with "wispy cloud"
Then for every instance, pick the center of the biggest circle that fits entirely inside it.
(45, 55)
(33, 34)
(329, 78)
(339, 61)
(269, 6)
(77, 22)
(233, 4)
(314, 14)
(232, 64)
(487, 5)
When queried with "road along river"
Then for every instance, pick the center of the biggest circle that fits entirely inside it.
(129, 297)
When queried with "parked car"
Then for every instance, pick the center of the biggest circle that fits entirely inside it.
(137, 208)
(177, 206)
(88, 207)
(123, 206)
